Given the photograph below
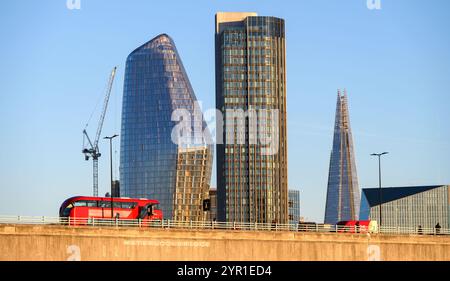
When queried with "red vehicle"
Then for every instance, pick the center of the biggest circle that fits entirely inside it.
(84, 207)
(357, 226)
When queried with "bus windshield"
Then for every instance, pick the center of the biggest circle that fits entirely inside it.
(66, 211)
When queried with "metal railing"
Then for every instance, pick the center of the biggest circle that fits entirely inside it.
(211, 225)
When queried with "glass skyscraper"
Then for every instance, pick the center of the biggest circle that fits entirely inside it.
(294, 206)
(152, 164)
(251, 78)
(343, 197)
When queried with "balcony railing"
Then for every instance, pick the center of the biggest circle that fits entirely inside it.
(213, 225)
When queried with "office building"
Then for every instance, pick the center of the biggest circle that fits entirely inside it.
(294, 206)
(251, 94)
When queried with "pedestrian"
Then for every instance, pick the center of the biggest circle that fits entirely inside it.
(419, 230)
(438, 228)
(274, 223)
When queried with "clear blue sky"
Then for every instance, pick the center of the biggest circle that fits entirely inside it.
(394, 62)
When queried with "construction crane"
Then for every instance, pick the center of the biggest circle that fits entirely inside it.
(90, 149)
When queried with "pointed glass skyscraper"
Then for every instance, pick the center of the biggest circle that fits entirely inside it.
(152, 164)
(343, 196)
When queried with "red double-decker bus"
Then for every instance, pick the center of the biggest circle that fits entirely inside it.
(363, 226)
(82, 208)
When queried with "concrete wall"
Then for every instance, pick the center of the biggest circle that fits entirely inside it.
(39, 242)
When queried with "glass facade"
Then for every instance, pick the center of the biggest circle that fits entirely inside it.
(155, 85)
(213, 198)
(192, 187)
(343, 197)
(408, 207)
(294, 206)
(251, 75)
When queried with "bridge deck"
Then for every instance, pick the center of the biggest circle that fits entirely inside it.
(54, 242)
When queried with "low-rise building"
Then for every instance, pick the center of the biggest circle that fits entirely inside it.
(414, 207)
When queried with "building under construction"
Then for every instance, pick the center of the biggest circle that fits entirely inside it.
(343, 197)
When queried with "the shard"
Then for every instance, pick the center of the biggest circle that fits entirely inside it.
(343, 195)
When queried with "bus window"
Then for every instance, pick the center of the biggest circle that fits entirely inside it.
(143, 213)
(79, 204)
(85, 203)
(124, 205)
(91, 203)
(104, 204)
(128, 205)
(117, 205)
(66, 211)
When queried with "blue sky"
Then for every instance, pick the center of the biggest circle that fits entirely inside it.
(394, 62)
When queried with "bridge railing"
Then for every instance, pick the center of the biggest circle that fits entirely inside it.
(211, 225)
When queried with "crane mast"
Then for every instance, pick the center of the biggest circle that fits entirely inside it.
(92, 150)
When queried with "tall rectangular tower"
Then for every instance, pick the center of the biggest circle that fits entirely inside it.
(251, 95)
(343, 197)
(294, 206)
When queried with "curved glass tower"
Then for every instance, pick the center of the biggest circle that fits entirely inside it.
(155, 86)
(343, 197)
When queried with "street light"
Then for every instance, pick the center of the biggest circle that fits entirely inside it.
(379, 177)
(110, 155)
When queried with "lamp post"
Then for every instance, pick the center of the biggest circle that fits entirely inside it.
(379, 178)
(110, 156)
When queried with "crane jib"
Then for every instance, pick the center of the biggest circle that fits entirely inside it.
(92, 151)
